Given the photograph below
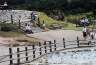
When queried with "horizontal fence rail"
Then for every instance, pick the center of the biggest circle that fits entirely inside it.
(39, 50)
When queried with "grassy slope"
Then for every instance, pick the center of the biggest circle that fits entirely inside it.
(20, 37)
(49, 21)
(11, 34)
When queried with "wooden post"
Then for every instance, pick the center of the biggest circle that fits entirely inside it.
(89, 42)
(40, 49)
(54, 45)
(26, 54)
(10, 53)
(18, 56)
(39, 24)
(45, 47)
(77, 41)
(11, 19)
(19, 22)
(64, 42)
(33, 51)
(50, 46)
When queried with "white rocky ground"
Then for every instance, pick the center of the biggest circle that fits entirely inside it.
(80, 56)
(23, 15)
(5, 15)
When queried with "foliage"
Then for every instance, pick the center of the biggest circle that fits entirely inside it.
(8, 27)
(11, 34)
(68, 6)
(50, 21)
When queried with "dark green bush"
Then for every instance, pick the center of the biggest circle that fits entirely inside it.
(8, 27)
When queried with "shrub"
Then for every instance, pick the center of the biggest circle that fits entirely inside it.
(8, 27)
(58, 25)
(72, 19)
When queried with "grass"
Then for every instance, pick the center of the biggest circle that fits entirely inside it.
(11, 34)
(27, 40)
(66, 25)
(48, 20)
(19, 38)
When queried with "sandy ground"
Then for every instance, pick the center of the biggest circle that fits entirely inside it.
(48, 36)
(7, 40)
(57, 35)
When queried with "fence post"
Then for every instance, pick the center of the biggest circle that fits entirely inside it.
(64, 42)
(77, 41)
(26, 49)
(10, 53)
(33, 51)
(18, 56)
(89, 42)
(50, 46)
(45, 47)
(40, 49)
(55, 45)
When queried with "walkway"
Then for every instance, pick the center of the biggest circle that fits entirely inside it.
(57, 35)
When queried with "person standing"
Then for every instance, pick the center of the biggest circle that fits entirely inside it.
(44, 25)
(86, 21)
(92, 34)
(84, 31)
(28, 29)
(82, 21)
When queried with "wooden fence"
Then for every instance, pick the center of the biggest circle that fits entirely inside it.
(39, 50)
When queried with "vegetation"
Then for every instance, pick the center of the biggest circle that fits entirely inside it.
(27, 40)
(8, 27)
(69, 21)
(11, 34)
(49, 21)
(68, 6)
(56, 9)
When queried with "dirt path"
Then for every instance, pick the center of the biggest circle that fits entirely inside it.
(57, 35)
(7, 40)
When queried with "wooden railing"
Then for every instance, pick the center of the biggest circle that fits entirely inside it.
(37, 51)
